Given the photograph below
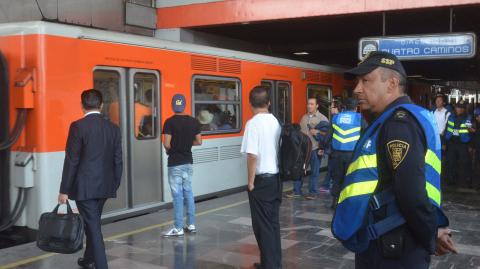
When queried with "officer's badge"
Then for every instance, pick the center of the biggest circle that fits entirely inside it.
(398, 150)
(400, 114)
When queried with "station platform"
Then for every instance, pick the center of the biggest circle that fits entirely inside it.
(225, 238)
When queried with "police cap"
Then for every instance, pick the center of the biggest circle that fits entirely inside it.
(376, 59)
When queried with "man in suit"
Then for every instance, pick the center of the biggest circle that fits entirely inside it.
(92, 172)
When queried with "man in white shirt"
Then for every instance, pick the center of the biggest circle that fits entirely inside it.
(260, 143)
(441, 114)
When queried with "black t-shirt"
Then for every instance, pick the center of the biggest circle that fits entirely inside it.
(183, 130)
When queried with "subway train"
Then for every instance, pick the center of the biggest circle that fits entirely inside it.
(45, 66)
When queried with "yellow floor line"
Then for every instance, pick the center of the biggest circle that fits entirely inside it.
(117, 236)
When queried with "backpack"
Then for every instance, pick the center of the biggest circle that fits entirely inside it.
(294, 155)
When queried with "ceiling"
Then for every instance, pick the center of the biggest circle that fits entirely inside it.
(333, 40)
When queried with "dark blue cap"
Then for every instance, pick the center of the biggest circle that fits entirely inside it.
(377, 59)
(323, 126)
(178, 103)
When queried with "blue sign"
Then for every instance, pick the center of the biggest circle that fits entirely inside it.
(422, 47)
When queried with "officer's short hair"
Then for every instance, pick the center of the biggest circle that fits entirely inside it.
(259, 97)
(92, 99)
(386, 73)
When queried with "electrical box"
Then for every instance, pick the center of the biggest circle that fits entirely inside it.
(23, 170)
(24, 88)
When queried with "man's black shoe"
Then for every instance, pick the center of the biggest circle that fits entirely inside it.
(82, 263)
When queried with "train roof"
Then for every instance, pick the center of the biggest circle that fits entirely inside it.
(57, 29)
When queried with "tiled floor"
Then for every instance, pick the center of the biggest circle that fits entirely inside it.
(225, 239)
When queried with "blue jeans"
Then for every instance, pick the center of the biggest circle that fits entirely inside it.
(327, 182)
(180, 179)
(315, 162)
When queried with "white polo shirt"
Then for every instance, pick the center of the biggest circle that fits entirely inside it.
(441, 117)
(261, 137)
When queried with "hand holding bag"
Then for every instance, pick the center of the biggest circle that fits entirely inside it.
(60, 233)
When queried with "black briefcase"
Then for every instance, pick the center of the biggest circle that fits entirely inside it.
(60, 233)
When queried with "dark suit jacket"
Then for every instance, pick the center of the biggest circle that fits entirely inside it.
(93, 159)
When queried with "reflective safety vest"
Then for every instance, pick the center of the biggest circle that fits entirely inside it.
(346, 130)
(460, 131)
(353, 223)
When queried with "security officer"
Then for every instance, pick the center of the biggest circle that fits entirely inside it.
(457, 135)
(388, 211)
(346, 127)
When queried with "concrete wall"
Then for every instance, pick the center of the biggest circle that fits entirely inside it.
(103, 14)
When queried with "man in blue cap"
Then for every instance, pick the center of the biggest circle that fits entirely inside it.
(389, 208)
(181, 132)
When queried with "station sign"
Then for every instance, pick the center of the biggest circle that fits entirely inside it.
(422, 47)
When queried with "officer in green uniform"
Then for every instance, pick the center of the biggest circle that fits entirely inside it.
(389, 209)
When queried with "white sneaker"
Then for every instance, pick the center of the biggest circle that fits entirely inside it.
(190, 229)
(174, 232)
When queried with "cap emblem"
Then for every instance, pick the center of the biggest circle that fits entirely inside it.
(387, 61)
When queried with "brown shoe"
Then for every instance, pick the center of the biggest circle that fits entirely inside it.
(292, 195)
(310, 197)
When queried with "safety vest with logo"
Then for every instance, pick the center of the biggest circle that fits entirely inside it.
(353, 223)
(460, 131)
(346, 130)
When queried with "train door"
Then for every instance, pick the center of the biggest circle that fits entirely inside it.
(323, 94)
(280, 99)
(131, 100)
(145, 139)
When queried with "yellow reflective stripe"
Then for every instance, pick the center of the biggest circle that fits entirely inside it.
(433, 193)
(450, 129)
(463, 125)
(362, 162)
(450, 123)
(432, 159)
(345, 132)
(462, 131)
(356, 189)
(345, 140)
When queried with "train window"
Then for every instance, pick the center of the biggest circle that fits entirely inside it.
(217, 104)
(144, 87)
(108, 83)
(323, 94)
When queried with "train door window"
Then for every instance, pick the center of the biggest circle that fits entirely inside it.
(145, 107)
(108, 83)
(282, 101)
(268, 85)
(217, 104)
(323, 94)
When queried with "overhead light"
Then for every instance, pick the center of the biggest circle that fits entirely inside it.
(245, 22)
(301, 53)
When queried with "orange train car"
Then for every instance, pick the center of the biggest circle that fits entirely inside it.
(48, 65)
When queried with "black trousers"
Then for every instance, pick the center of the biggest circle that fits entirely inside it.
(339, 161)
(265, 201)
(91, 211)
(458, 162)
(413, 256)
